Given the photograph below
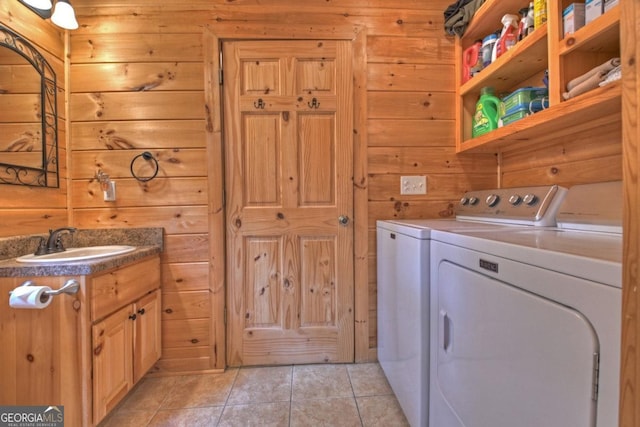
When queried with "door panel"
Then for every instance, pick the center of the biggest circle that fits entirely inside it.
(261, 160)
(262, 292)
(289, 165)
(317, 159)
(316, 75)
(318, 281)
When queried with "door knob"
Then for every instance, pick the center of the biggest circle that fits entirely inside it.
(343, 220)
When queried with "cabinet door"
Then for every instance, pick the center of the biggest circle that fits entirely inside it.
(146, 348)
(112, 360)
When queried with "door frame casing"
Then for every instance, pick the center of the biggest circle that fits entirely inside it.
(213, 37)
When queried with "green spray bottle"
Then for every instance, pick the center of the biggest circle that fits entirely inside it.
(485, 118)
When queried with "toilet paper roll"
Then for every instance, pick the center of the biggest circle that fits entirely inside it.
(32, 297)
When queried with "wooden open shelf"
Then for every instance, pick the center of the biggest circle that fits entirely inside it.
(523, 65)
(523, 60)
(590, 110)
(601, 34)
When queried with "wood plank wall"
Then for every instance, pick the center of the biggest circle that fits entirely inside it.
(630, 360)
(137, 83)
(27, 210)
(581, 158)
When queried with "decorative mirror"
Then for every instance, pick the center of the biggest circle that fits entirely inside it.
(28, 114)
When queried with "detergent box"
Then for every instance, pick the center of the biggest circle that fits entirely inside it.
(573, 18)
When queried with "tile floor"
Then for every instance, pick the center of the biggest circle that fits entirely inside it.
(289, 396)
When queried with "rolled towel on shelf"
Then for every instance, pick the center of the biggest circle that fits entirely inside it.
(600, 69)
(612, 76)
(591, 83)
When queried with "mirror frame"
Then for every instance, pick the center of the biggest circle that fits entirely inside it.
(48, 174)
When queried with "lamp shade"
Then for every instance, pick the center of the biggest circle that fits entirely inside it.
(39, 4)
(64, 15)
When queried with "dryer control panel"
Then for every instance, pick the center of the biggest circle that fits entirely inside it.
(536, 206)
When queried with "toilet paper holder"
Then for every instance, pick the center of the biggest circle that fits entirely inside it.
(70, 287)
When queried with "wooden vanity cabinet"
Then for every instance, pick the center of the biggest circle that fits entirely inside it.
(83, 351)
(125, 331)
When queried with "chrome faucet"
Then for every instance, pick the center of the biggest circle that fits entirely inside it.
(54, 242)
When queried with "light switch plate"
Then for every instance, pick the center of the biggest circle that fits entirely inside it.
(413, 184)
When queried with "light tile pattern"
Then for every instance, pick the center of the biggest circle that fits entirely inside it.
(280, 396)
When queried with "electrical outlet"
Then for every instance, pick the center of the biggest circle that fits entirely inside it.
(413, 185)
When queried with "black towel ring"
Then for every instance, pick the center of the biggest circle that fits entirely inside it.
(146, 156)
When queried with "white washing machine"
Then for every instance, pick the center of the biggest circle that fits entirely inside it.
(525, 325)
(403, 248)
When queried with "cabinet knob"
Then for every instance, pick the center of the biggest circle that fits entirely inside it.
(133, 316)
(141, 312)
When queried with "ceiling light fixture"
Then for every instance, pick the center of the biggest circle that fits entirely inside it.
(62, 14)
(39, 4)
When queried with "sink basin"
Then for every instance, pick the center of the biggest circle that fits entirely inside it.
(77, 254)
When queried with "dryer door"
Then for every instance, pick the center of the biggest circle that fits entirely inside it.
(507, 357)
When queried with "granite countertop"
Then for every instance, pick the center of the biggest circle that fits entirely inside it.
(148, 241)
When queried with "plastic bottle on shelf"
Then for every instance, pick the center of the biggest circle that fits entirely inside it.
(522, 26)
(508, 36)
(530, 20)
(471, 60)
(486, 117)
(539, 13)
(487, 49)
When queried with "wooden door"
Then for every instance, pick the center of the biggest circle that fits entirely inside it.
(288, 121)
(112, 361)
(146, 344)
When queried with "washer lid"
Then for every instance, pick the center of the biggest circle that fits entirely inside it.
(422, 228)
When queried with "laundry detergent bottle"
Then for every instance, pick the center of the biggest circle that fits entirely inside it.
(471, 61)
(487, 111)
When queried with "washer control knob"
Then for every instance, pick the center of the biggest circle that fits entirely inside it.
(473, 200)
(492, 200)
(515, 200)
(530, 199)
(464, 201)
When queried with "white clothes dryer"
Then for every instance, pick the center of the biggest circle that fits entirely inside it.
(525, 325)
